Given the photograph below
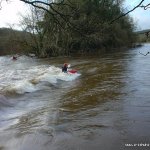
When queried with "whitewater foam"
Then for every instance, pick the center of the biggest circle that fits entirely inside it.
(28, 79)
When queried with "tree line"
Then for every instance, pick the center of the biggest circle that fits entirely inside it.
(76, 27)
(11, 41)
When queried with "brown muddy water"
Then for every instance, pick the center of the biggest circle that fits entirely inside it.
(103, 107)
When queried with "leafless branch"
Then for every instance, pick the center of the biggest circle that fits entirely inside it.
(124, 14)
(144, 54)
(145, 7)
(46, 5)
(49, 7)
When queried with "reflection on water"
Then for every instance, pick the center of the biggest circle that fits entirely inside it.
(104, 107)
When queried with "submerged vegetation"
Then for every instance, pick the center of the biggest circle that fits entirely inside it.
(76, 27)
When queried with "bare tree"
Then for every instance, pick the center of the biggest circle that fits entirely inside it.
(49, 6)
(34, 33)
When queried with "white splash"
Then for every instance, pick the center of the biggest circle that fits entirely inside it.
(22, 77)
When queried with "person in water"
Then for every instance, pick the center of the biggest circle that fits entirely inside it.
(65, 67)
(14, 58)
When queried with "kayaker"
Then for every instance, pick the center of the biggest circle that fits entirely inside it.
(14, 58)
(65, 67)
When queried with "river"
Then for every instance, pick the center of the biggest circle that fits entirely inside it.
(106, 105)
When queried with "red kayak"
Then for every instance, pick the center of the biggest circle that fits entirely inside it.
(72, 71)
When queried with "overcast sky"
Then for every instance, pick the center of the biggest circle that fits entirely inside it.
(9, 14)
(140, 16)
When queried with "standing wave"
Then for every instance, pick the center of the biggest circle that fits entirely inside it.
(28, 80)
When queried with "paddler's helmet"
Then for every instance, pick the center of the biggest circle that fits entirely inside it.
(65, 64)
